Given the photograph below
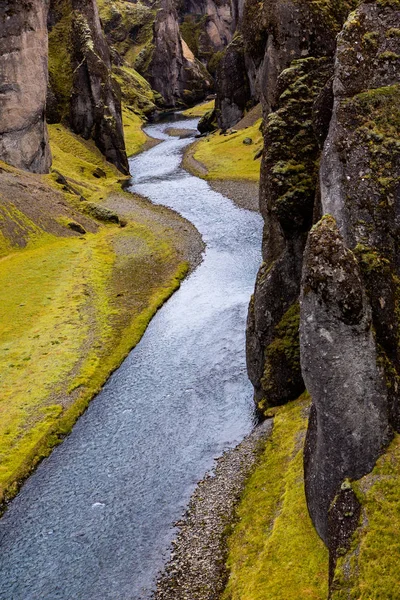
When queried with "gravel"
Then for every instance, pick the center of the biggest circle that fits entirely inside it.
(196, 569)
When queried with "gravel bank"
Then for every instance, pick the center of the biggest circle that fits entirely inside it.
(196, 570)
(243, 193)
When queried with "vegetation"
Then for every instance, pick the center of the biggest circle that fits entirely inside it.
(370, 569)
(71, 305)
(200, 110)
(274, 550)
(228, 156)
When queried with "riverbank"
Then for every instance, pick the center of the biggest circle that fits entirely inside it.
(248, 519)
(230, 161)
(84, 268)
(197, 568)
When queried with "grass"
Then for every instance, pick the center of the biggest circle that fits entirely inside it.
(370, 570)
(135, 138)
(71, 308)
(227, 157)
(199, 110)
(274, 550)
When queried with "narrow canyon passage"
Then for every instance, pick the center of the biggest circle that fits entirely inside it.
(95, 520)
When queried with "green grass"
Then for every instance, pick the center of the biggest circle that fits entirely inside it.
(370, 570)
(199, 110)
(274, 551)
(226, 157)
(71, 308)
(135, 138)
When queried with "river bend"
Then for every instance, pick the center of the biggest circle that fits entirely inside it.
(94, 522)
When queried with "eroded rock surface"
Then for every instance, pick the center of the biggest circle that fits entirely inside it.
(86, 86)
(173, 70)
(349, 427)
(23, 85)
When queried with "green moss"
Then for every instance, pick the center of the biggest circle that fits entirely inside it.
(60, 67)
(200, 110)
(71, 309)
(226, 157)
(274, 551)
(292, 148)
(282, 381)
(369, 259)
(369, 571)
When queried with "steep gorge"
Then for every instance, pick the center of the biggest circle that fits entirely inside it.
(324, 317)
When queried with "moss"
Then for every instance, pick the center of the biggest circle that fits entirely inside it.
(292, 148)
(226, 157)
(370, 569)
(282, 380)
(71, 309)
(200, 110)
(274, 551)
(191, 30)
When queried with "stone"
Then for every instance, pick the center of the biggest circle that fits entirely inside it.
(23, 86)
(349, 426)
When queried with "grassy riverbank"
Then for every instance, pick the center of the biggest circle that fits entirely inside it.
(274, 550)
(228, 156)
(79, 283)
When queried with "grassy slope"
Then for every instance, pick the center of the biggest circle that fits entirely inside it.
(370, 570)
(226, 157)
(274, 551)
(71, 306)
(199, 110)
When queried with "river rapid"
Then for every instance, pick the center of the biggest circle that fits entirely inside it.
(95, 521)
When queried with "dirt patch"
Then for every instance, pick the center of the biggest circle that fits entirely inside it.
(250, 118)
(164, 222)
(191, 164)
(181, 133)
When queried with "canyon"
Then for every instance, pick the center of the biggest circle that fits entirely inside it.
(307, 97)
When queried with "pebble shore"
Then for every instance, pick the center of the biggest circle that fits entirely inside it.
(196, 569)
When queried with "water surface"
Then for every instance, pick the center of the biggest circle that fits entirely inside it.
(94, 522)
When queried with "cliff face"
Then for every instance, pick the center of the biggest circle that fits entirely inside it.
(23, 67)
(331, 123)
(85, 88)
(173, 70)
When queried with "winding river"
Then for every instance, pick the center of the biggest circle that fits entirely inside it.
(95, 521)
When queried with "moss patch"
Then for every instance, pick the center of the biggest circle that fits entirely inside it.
(274, 551)
(370, 570)
(200, 109)
(227, 157)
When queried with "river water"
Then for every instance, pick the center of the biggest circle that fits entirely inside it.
(95, 521)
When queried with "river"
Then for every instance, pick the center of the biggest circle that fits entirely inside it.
(95, 521)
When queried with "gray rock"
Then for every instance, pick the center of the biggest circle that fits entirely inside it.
(23, 84)
(349, 427)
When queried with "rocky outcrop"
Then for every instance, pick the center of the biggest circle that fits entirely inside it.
(288, 190)
(85, 88)
(173, 70)
(331, 148)
(208, 26)
(351, 326)
(232, 84)
(23, 85)
(349, 427)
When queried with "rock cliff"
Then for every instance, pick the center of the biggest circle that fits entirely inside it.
(173, 70)
(82, 89)
(23, 85)
(331, 150)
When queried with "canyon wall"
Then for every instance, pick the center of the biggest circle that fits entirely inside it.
(330, 198)
(82, 88)
(23, 85)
